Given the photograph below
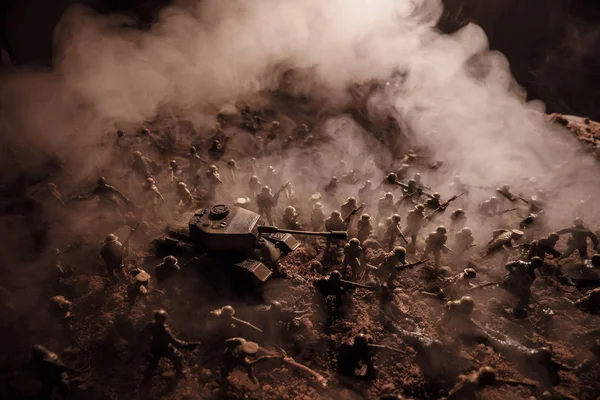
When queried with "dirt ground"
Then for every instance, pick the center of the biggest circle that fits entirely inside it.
(104, 344)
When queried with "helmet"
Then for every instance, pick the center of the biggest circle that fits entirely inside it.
(486, 375)
(470, 273)
(456, 179)
(271, 169)
(361, 340)
(466, 304)
(436, 196)
(505, 187)
(170, 260)
(335, 214)
(192, 150)
(389, 196)
(289, 210)
(254, 178)
(578, 222)
(335, 275)
(596, 260)
(173, 163)
(459, 212)
(441, 229)
(150, 181)
(102, 181)
(420, 207)
(412, 182)
(365, 217)
(417, 177)
(537, 262)
(493, 200)
(553, 236)
(111, 237)
(160, 316)
(391, 178)
(231, 163)
(351, 200)
(396, 218)
(277, 306)
(266, 190)
(275, 123)
(182, 184)
(137, 154)
(517, 234)
(334, 178)
(227, 311)
(318, 205)
(368, 182)
(120, 133)
(466, 231)
(399, 251)
(212, 168)
(354, 242)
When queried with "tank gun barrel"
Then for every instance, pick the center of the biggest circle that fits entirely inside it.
(342, 235)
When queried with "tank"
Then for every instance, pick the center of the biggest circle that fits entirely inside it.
(232, 242)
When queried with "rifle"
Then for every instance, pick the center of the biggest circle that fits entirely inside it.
(401, 234)
(411, 265)
(248, 324)
(442, 206)
(511, 197)
(383, 347)
(513, 382)
(353, 213)
(484, 285)
(506, 211)
(290, 361)
(355, 285)
(283, 187)
(523, 199)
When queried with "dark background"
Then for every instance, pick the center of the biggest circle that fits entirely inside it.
(553, 45)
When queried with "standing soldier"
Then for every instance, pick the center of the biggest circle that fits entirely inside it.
(364, 228)
(175, 172)
(233, 170)
(112, 254)
(459, 284)
(459, 219)
(266, 202)
(365, 193)
(433, 203)
(348, 207)
(463, 240)
(164, 345)
(388, 267)
(502, 242)
(166, 270)
(541, 247)
(50, 370)
(414, 223)
(144, 166)
(332, 187)
(184, 196)
(153, 195)
(578, 240)
(392, 232)
(290, 219)
(255, 186)
(194, 165)
(213, 180)
(317, 217)
(521, 275)
(352, 256)
(436, 243)
(385, 206)
(490, 207)
(457, 186)
(106, 196)
(236, 355)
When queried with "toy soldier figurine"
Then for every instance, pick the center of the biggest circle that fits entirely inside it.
(490, 207)
(388, 267)
(586, 274)
(50, 370)
(271, 177)
(175, 172)
(255, 186)
(317, 217)
(542, 247)
(143, 166)
(460, 284)
(468, 386)
(532, 224)
(502, 242)
(457, 186)
(359, 354)
(390, 182)
(184, 196)
(352, 256)
(433, 203)
(392, 232)
(233, 170)
(333, 285)
(266, 201)
(457, 313)
(364, 228)
(164, 345)
(236, 355)
(349, 206)
(332, 187)
(578, 240)
(506, 193)
(459, 219)
(436, 243)
(334, 223)
(213, 180)
(106, 196)
(195, 163)
(112, 254)
(153, 195)
(227, 321)
(419, 182)
(463, 240)
(166, 270)
(60, 309)
(385, 206)
(521, 275)
(365, 193)
(216, 150)
(140, 285)
(290, 219)
(414, 223)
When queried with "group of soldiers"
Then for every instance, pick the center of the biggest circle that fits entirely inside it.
(372, 216)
